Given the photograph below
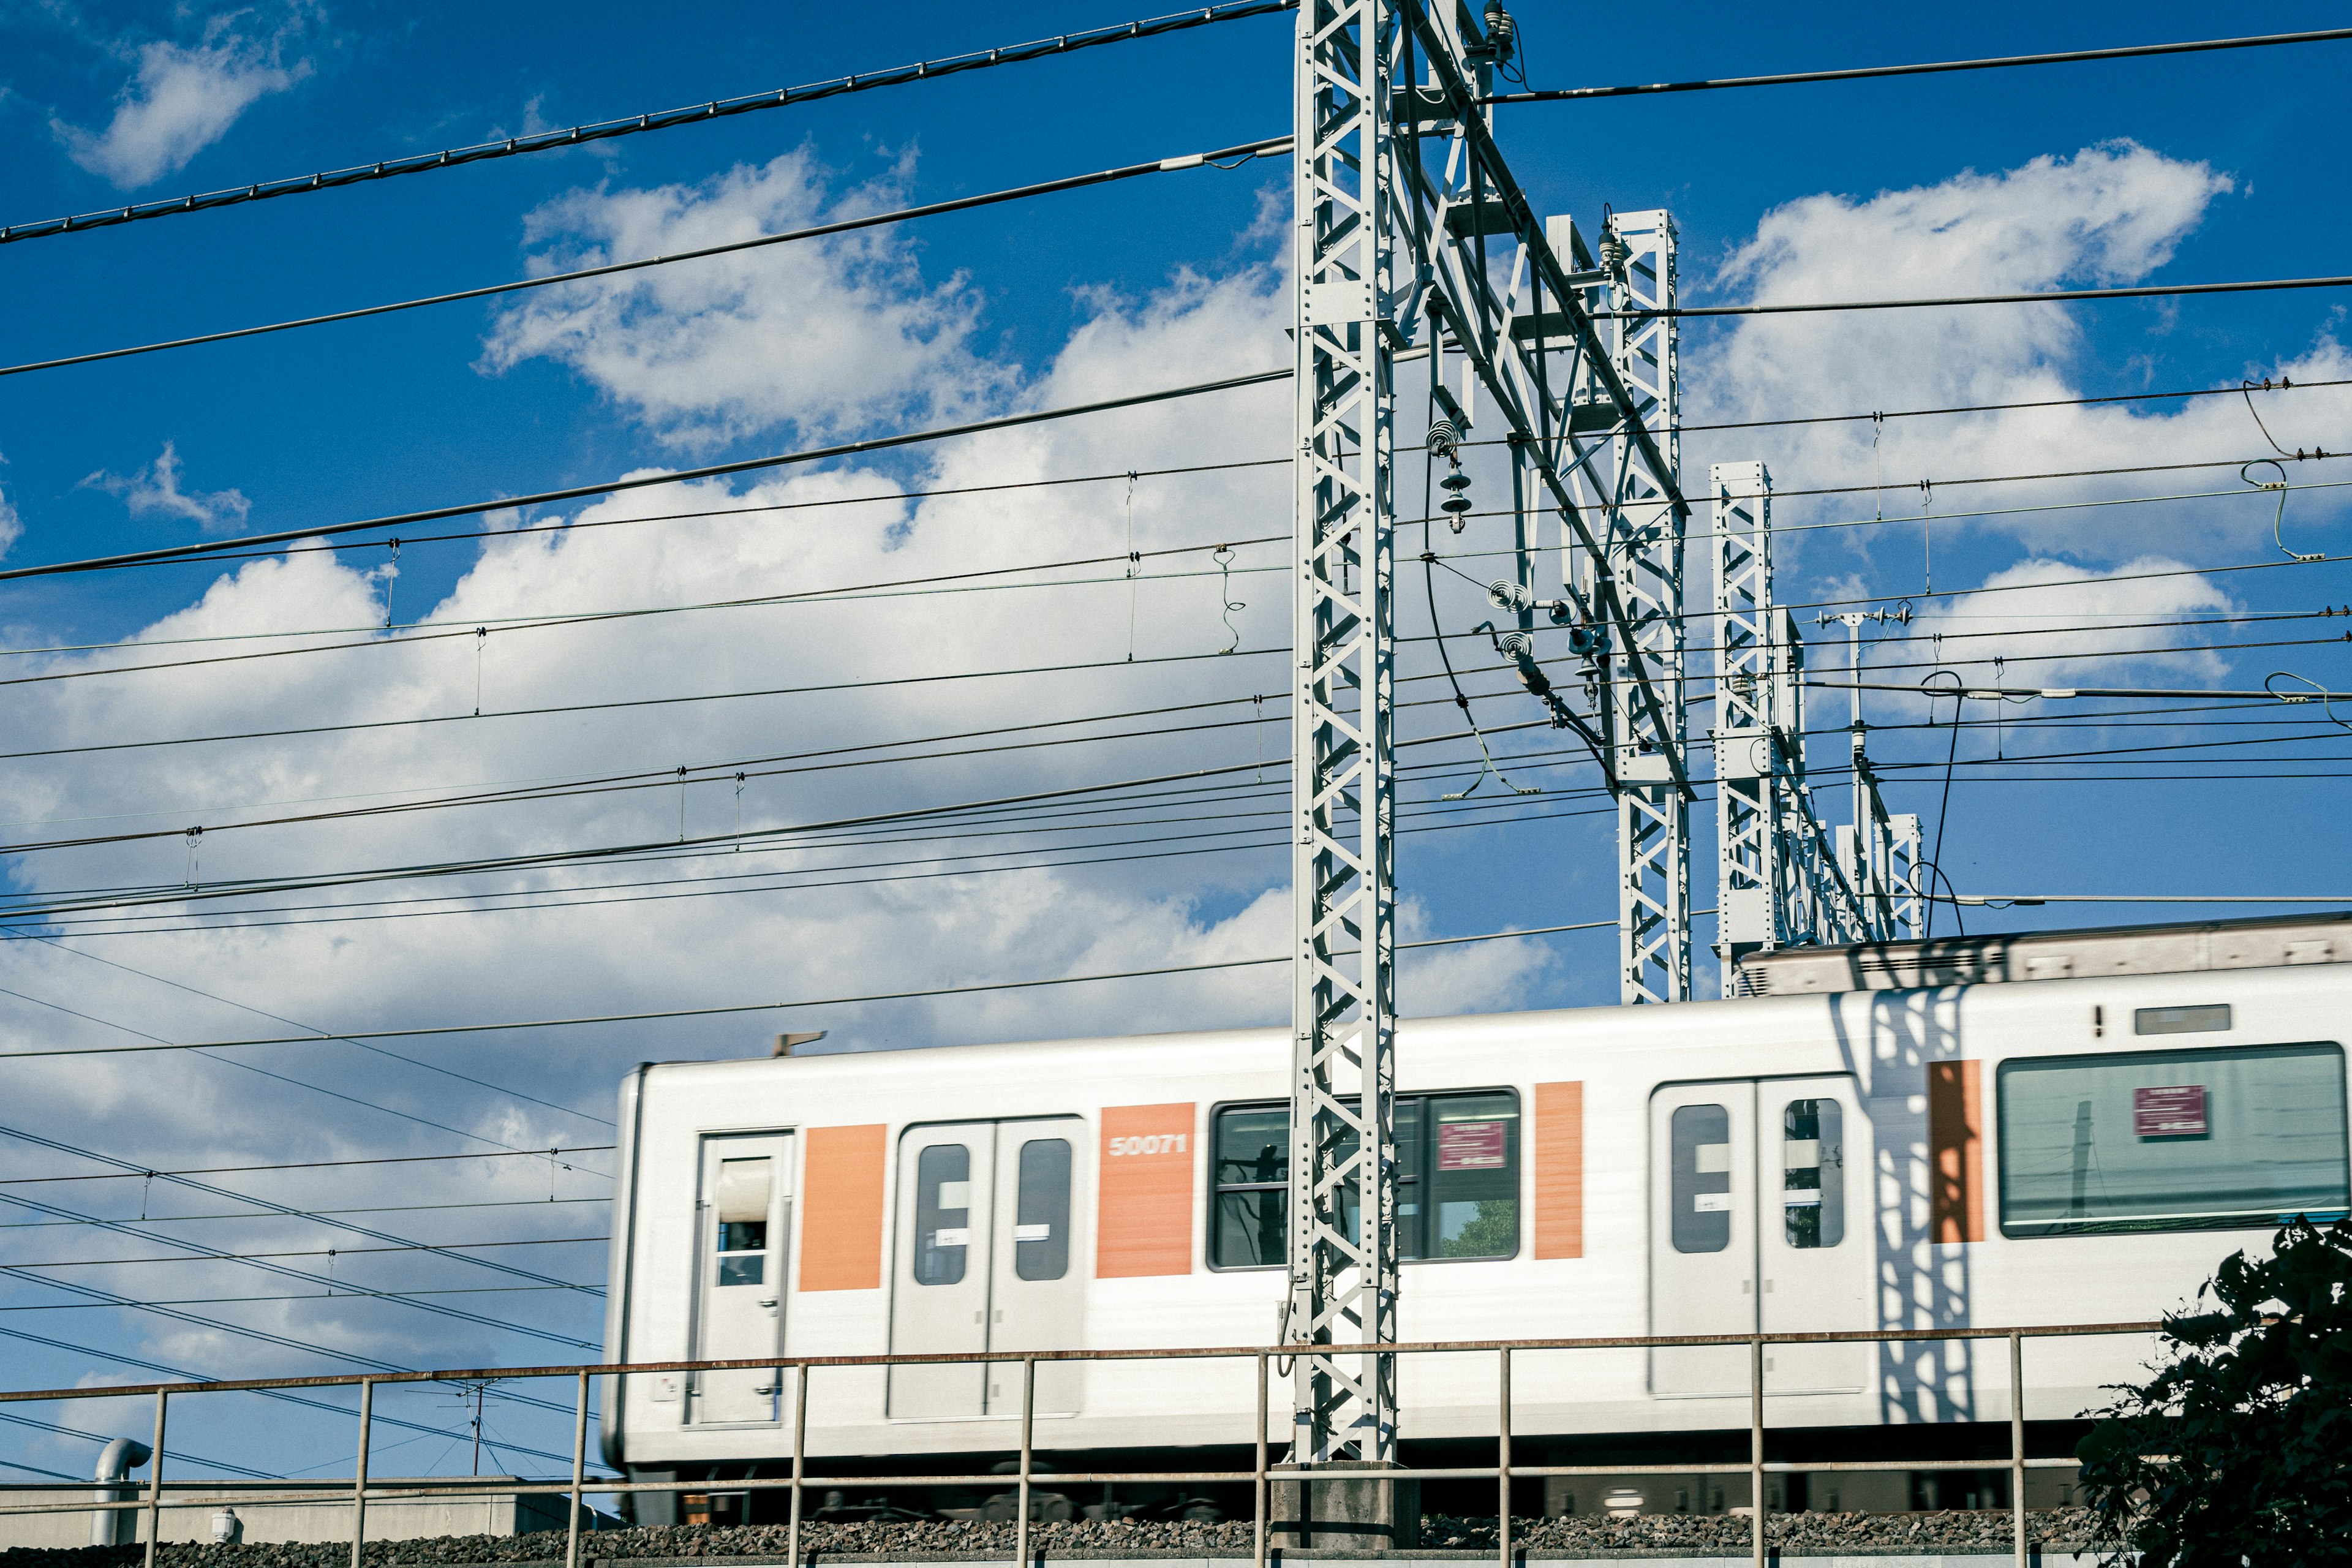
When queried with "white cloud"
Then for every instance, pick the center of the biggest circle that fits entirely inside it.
(12, 522)
(2108, 214)
(154, 491)
(2051, 624)
(923, 919)
(821, 335)
(182, 98)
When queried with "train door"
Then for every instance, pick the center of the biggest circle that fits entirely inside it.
(1813, 1231)
(940, 1303)
(1757, 1225)
(1702, 1234)
(991, 1250)
(743, 1220)
(1037, 1281)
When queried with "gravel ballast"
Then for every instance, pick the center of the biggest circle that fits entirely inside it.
(1726, 1535)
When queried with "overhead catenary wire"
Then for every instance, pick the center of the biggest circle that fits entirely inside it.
(2031, 297)
(680, 476)
(739, 768)
(639, 124)
(283, 1210)
(284, 1396)
(1222, 158)
(1864, 73)
(735, 1008)
(554, 1152)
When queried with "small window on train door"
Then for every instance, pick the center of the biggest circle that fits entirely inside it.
(1701, 1137)
(741, 1230)
(1812, 1172)
(942, 1214)
(1041, 1222)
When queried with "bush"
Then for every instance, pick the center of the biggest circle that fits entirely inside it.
(2240, 1449)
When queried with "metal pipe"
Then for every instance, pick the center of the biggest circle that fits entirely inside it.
(155, 1477)
(2017, 1444)
(1503, 1457)
(115, 1462)
(1207, 1352)
(1028, 1410)
(800, 1450)
(1257, 1472)
(579, 1473)
(360, 1470)
(1756, 1444)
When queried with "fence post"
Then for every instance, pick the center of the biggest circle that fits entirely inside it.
(1756, 1442)
(800, 1448)
(1503, 1460)
(1028, 1410)
(360, 1470)
(579, 1472)
(2017, 1443)
(1257, 1504)
(156, 1479)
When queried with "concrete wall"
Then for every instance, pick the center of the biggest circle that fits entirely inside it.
(486, 1513)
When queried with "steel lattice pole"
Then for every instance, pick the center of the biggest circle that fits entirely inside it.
(1342, 1221)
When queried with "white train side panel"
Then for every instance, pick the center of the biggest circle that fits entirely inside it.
(1789, 1163)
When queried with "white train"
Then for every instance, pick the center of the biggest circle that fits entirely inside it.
(1899, 1137)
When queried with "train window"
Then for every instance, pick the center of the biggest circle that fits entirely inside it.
(1041, 1218)
(1253, 1161)
(1473, 1158)
(942, 1213)
(1702, 1178)
(1812, 1172)
(741, 1231)
(2158, 1141)
(1457, 1179)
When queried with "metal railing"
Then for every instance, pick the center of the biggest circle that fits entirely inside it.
(1260, 1476)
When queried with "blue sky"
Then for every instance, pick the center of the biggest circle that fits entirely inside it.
(2205, 168)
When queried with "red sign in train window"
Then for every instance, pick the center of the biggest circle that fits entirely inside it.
(1470, 1146)
(2176, 1111)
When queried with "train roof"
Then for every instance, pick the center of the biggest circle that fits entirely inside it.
(2265, 942)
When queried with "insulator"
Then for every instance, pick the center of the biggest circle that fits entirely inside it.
(1588, 642)
(1501, 31)
(1614, 251)
(1510, 596)
(1454, 483)
(1443, 438)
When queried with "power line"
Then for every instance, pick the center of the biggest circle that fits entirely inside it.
(283, 1396)
(1218, 159)
(282, 1210)
(102, 1437)
(2147, 291)
(740, 768)
(753, 1006)
(2282, 385)
(320, 1165)
(312, 1252)
(608, 130)
(315, 1213)
(1860, 73)
(374, 1050)
(256, 1262)
(679, 475)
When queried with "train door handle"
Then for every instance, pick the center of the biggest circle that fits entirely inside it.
(999, 1315)
(1746, 1286)
(980, 1317)
(769, 1303)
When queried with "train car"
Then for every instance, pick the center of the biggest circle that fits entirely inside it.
(2066, 1128)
